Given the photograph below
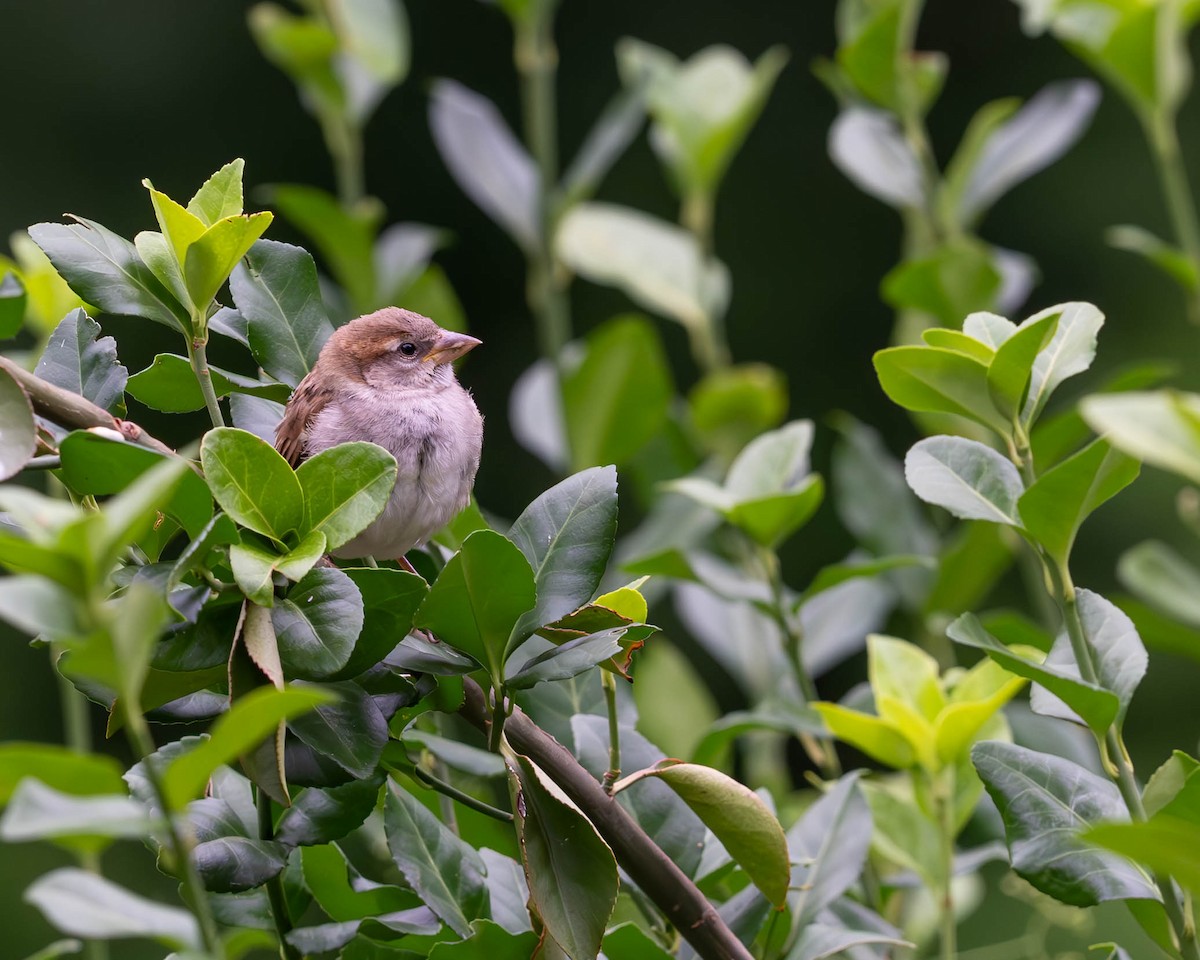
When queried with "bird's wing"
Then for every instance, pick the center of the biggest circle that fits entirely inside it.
(308, 400)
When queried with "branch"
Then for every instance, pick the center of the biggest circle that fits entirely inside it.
(651, 869)
(71, 410)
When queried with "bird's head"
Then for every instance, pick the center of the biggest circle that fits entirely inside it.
(396, 347)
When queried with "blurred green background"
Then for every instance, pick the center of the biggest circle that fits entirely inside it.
(99, 95)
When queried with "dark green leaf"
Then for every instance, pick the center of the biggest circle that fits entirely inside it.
(478, 598)
(446, 872)
(169, 384)
(317, 623)
(78, 359)
(616, 400)
(18, 433)
(351, 730)
(566, 534)
(345, 488)
(12, 305)
(1055, 506)
(94, 464)
(86, 905)
(1047, 804)
(568, 660)
(966, 477)
(488, 941)
(390, 600)
(252, 482)
(275, 289)
(234, 864)
(256, 415)
(571, 872)
(105, 270)
(321, 816)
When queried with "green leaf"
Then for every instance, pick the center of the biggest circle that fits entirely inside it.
(249, 720)
(488, 941)
(966, 477)
(1095, 705)
(1011, 368)
(390, 600)
(1068, 353)
(1057, 503)
(487, 161)
(88, 823)
(235, 864)
(12, 304)
(1118, 657)
(95, 464)
(326, 874)
(444, 871)
(869, 148)
(351, 730)
(255, 565)
(220, 196)
(659, 265)
(1167, 581)
(322, 816)
(875, 737)
(955, 280)
(213, 256)
(616, 400)
(105, 270)
(345, 488)
(1160, 427)
(78, 359)
(609, 137)
(81, 774)
(933, 380)
(568, 660)
(1164, 843)
(60, 948)
(179, 227)
(566, 535)
(129, 514)
(1166, 256)
(169, 385)
(820, 940)
(732, 406)
(317, 623)
(959, 342)
(771, 519)
(252, 482)
(275, 289)
(86, 905)
(18, 433)
(1048, 804)
(571, 872)
(737, 816)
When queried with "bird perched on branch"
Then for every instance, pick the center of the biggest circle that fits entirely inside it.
(388, 377)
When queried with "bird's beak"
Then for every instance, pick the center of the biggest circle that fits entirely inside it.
(450, 346)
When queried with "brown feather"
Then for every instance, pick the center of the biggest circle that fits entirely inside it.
(308, 400)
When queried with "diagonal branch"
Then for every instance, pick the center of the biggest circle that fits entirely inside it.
(651, 869)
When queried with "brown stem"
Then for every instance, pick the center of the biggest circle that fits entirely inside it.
(71, 410)
(651, 869)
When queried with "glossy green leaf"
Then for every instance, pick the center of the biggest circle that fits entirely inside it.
(488, 941)
(1048, 803)
(327, 875)
(658, 264)
(12, 304)
(250, 719)
(351, 730)
(18, 434)
(1118, 656)
(1165, 844)
(58, 768)
(1095, 705)
(234, 864)
(487, 161)
(566, 535)
(105, 270)
(1068, 353)
(571, 872)
(1159, 575)
(737, 816)
(1160, 427)
(220, 196)
(78, 359)
(95, 464)
(933, 380)
(960, 342)
(568, 660)
(345, 488)
(82, 823)
(275, 289)
(86, 905)
(968, 478)
(1057, 503)
(1011, 368)
(948, 284)
(616, 400)
(322, 816)
(213, 256)
(446, 872)
(252, 482)
(169, 385)
(317, 623)
(479, 597)
(390, 600)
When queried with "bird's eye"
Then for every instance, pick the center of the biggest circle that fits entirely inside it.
(407, 348)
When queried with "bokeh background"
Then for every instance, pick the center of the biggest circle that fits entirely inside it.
(99, 95)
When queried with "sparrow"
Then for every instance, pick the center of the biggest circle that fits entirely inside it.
(388, 377)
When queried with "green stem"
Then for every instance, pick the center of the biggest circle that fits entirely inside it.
(198, 355)
(946, 827)
(496, 732)
(1181, 205)
(613, 774)
(710, 344)
(444, 788)
(179, 845)
(279, 910)
(536, 61)
(927, 232)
